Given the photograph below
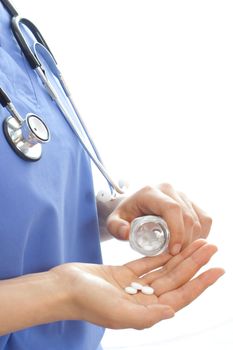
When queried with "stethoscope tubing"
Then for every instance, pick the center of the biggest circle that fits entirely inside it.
(54, 96)
(37, 67)
(10, 8)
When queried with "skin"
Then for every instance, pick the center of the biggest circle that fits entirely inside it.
(103, 300)
(185, 220)
(95, 293)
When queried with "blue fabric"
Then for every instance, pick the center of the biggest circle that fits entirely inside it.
(47, 208)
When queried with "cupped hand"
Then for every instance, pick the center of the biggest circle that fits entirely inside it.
(186, 221)
(98, 295)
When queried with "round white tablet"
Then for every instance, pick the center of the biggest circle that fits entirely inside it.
(130, 290)
(147, 290)
(136, 285)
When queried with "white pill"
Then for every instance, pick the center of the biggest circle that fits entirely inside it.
(148, 247)
(136, 285)
(130, 290)
(147, 290)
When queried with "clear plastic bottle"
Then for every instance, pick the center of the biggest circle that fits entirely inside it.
(149, 235)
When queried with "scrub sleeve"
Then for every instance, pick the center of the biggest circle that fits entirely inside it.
(47, 208)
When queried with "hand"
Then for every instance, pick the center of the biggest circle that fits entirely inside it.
(186, 221)
(98, 296)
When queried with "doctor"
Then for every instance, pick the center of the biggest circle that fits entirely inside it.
(55, 293)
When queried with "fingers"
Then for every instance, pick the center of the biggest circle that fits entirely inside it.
(159, 203)
(191, 224)
(184, 254)
(186, 221)
(184, 295)
(117, 226)
(172, 263)
(205, 221)
(132, 315)
(192, 220)
(184, 271)
(189, 217)
(202, 221)
(144, 265)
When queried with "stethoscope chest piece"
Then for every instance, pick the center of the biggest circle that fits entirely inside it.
(26, 136)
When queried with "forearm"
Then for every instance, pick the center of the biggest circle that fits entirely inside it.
(31, 300)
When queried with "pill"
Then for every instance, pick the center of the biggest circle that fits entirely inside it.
(148, 247)
(136, 285)
(147, 290)
(130, 290)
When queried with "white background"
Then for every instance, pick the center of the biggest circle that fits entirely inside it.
(154, 82)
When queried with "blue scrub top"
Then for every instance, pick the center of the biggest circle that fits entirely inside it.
(47, 208)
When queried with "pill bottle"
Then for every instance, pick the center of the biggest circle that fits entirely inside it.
(149, 235)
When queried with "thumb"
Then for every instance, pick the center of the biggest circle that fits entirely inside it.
(118, 227)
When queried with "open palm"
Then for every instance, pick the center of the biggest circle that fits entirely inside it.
(100, 297)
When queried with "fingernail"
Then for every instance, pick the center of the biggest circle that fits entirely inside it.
(168, 313)
(122, 231)
(176, 249)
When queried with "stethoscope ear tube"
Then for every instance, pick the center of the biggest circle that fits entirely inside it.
(15, 25)
(10, 8)
(18, 130)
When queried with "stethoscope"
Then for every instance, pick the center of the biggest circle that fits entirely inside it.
(26, 135)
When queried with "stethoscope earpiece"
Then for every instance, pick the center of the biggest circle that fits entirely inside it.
(106, 196)
(123, 184)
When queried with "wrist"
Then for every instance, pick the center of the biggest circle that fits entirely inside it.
(58, 296)
(31, 300)
(64, 280)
